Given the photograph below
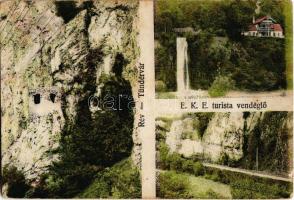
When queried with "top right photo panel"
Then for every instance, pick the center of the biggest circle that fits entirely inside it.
(224, 48)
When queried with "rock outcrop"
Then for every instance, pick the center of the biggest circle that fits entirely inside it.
(233, 137)
(46, 46)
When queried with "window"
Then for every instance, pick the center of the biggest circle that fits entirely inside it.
(37, 98)
(52, 97)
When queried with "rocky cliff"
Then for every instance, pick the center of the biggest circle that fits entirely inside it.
(53, 55)
(233, 139)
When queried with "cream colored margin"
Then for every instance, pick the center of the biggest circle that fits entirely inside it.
(147, 133)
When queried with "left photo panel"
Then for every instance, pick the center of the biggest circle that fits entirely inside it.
(69, 70)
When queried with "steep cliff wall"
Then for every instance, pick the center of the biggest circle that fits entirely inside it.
(49, 45)
(234, 139)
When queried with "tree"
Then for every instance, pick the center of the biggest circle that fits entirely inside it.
(239, 16)
(173, 185)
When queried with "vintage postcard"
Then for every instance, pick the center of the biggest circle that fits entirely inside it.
(146, 99)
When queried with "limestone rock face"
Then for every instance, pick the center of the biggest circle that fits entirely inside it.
(44, 49)
(225, 134)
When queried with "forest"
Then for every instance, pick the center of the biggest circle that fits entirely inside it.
(218, 53)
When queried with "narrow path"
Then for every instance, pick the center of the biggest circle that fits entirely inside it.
(249, 172)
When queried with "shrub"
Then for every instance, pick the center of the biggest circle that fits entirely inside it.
(163, 156)
(63, 180)
(173, 185)
(188, 166)
(224, 159)
(120, 181)
(160, 86)
(220, 86)
(160, 134)
(212, 194)
(251, 189)
(15, 180)
(176, 162)
(198, 169)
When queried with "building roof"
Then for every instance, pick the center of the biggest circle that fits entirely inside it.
(276, 27)
(252, 28)
(259, 20)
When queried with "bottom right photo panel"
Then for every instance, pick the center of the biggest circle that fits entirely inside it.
(240, 155)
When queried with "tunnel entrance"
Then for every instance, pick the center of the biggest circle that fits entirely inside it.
(37, 98)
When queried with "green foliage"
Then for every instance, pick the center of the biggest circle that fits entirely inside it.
(172, 185)
(164, 162)
(220, 86)
(224, 159)
(250, 187)
(165, 62)
(63, 181)
(176, 161)
(213, 195)
(93, 142)
(120, 181)
(173, 161)
(256, 64)
(15, 180)
(200, 121)
(160, 86)
(275, 9)
(160, 135)
(258, 71)
(198, 169)
(239, 15)
(213, 177)
(287, 8)
(270, 137)
(188, 166)
(197, 188)
(165, 95)
(169, 160)
(85, 151)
